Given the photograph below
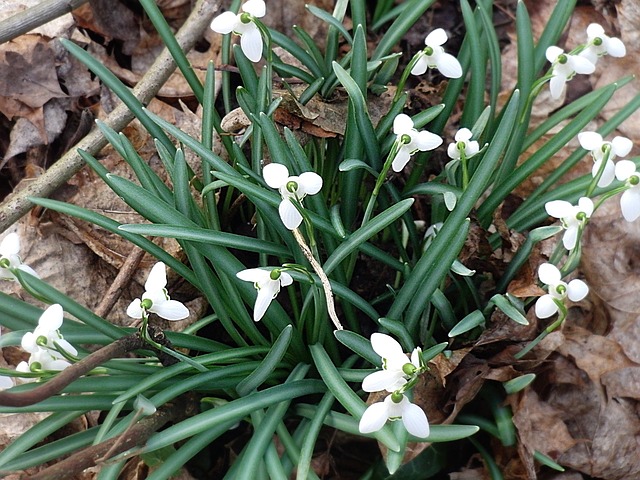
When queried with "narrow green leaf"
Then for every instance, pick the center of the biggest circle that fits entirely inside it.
(519, 383)
(502, 302)
(469, 322)
(359, 345)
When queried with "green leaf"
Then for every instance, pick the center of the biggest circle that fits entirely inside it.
(469, 322)
(519, 383)
(359, 345)
(331, 20)
(354, 164)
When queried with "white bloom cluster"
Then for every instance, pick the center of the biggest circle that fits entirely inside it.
(156, 300)
(10, 258)
(409, 141)
(243, 24)
(564, 66)
(434, 56)
(549, 304)
(463, 145)
(398, 373)
(268, 284)
(45, 343)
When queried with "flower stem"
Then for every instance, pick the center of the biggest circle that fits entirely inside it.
(328, 293)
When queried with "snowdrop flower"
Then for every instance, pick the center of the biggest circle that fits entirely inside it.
(630, 199)
(434, 56)
(155, 299)
(618, 147)
(309, 183)
(410, 141)
(243, 24)
(573, 218)
(394, 407)
(463, 143)
(558, 290)
(396, 367)
(41, 360)
(599, 44)
(267, 283)
(564, 67)
(9, 258)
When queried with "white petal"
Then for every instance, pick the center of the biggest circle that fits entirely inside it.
(556, 85)
(624, 169)
(224, 23)
(401, 159)
(545, 306)
(157, 278)
(134, 310)
(553, 52)
(389, 380)
(289, 214)
(275, 175)
(56, 365)
(51, 318)
(402, 124)
(5, 382)
(28, 342)
(570, 237)
(608, 174)
(421, 65)
(427, 141)
(585, 204)
(415, 420)
(595, 30)
(582, 65)
(558, 208)
(616, 48)
(385, 345)
(255, 275)
(436, 38)
(257, 8)
(310, 182)
(549, 274)
(590, 140)
(66, 346)
(251, 44)
(373, 418)
(285, 279)
(453, 152)
(448, 65)
(463, 135)
(577, 290)
(10, 245)
(263, 300)
(621, 146)
(170, 310)
(630, 205)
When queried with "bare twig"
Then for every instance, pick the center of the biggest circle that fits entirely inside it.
(17, 204)
(35, 17)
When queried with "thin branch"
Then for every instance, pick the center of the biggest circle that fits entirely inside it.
(18, 204)
(35, 17)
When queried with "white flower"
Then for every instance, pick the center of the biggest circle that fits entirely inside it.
(599, 44)
(309, 183)
(155, 299)
(268, 283)
(573, 218)
(630, 199)
(434, 56)
(564, 67)
(243, 24)
(9, 258)
(463, 143)
(394, 362)
(410, 141)
(618, 147)
(558, 290)
(377, 414)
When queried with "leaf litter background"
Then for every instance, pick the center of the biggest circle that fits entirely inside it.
(583, 408)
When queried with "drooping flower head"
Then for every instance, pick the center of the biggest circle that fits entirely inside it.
(618, 147)
(10, 258)
(573, 218)
(564, 66)
(243, 24)
(434, 56)
(45, 342)
(630, 199)
(547, 305)
(268, 284)
(410, 141)
(156, 299)
(291, 187)
(396, 366)
(463, 144)
(599, 44)
(394, 407)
